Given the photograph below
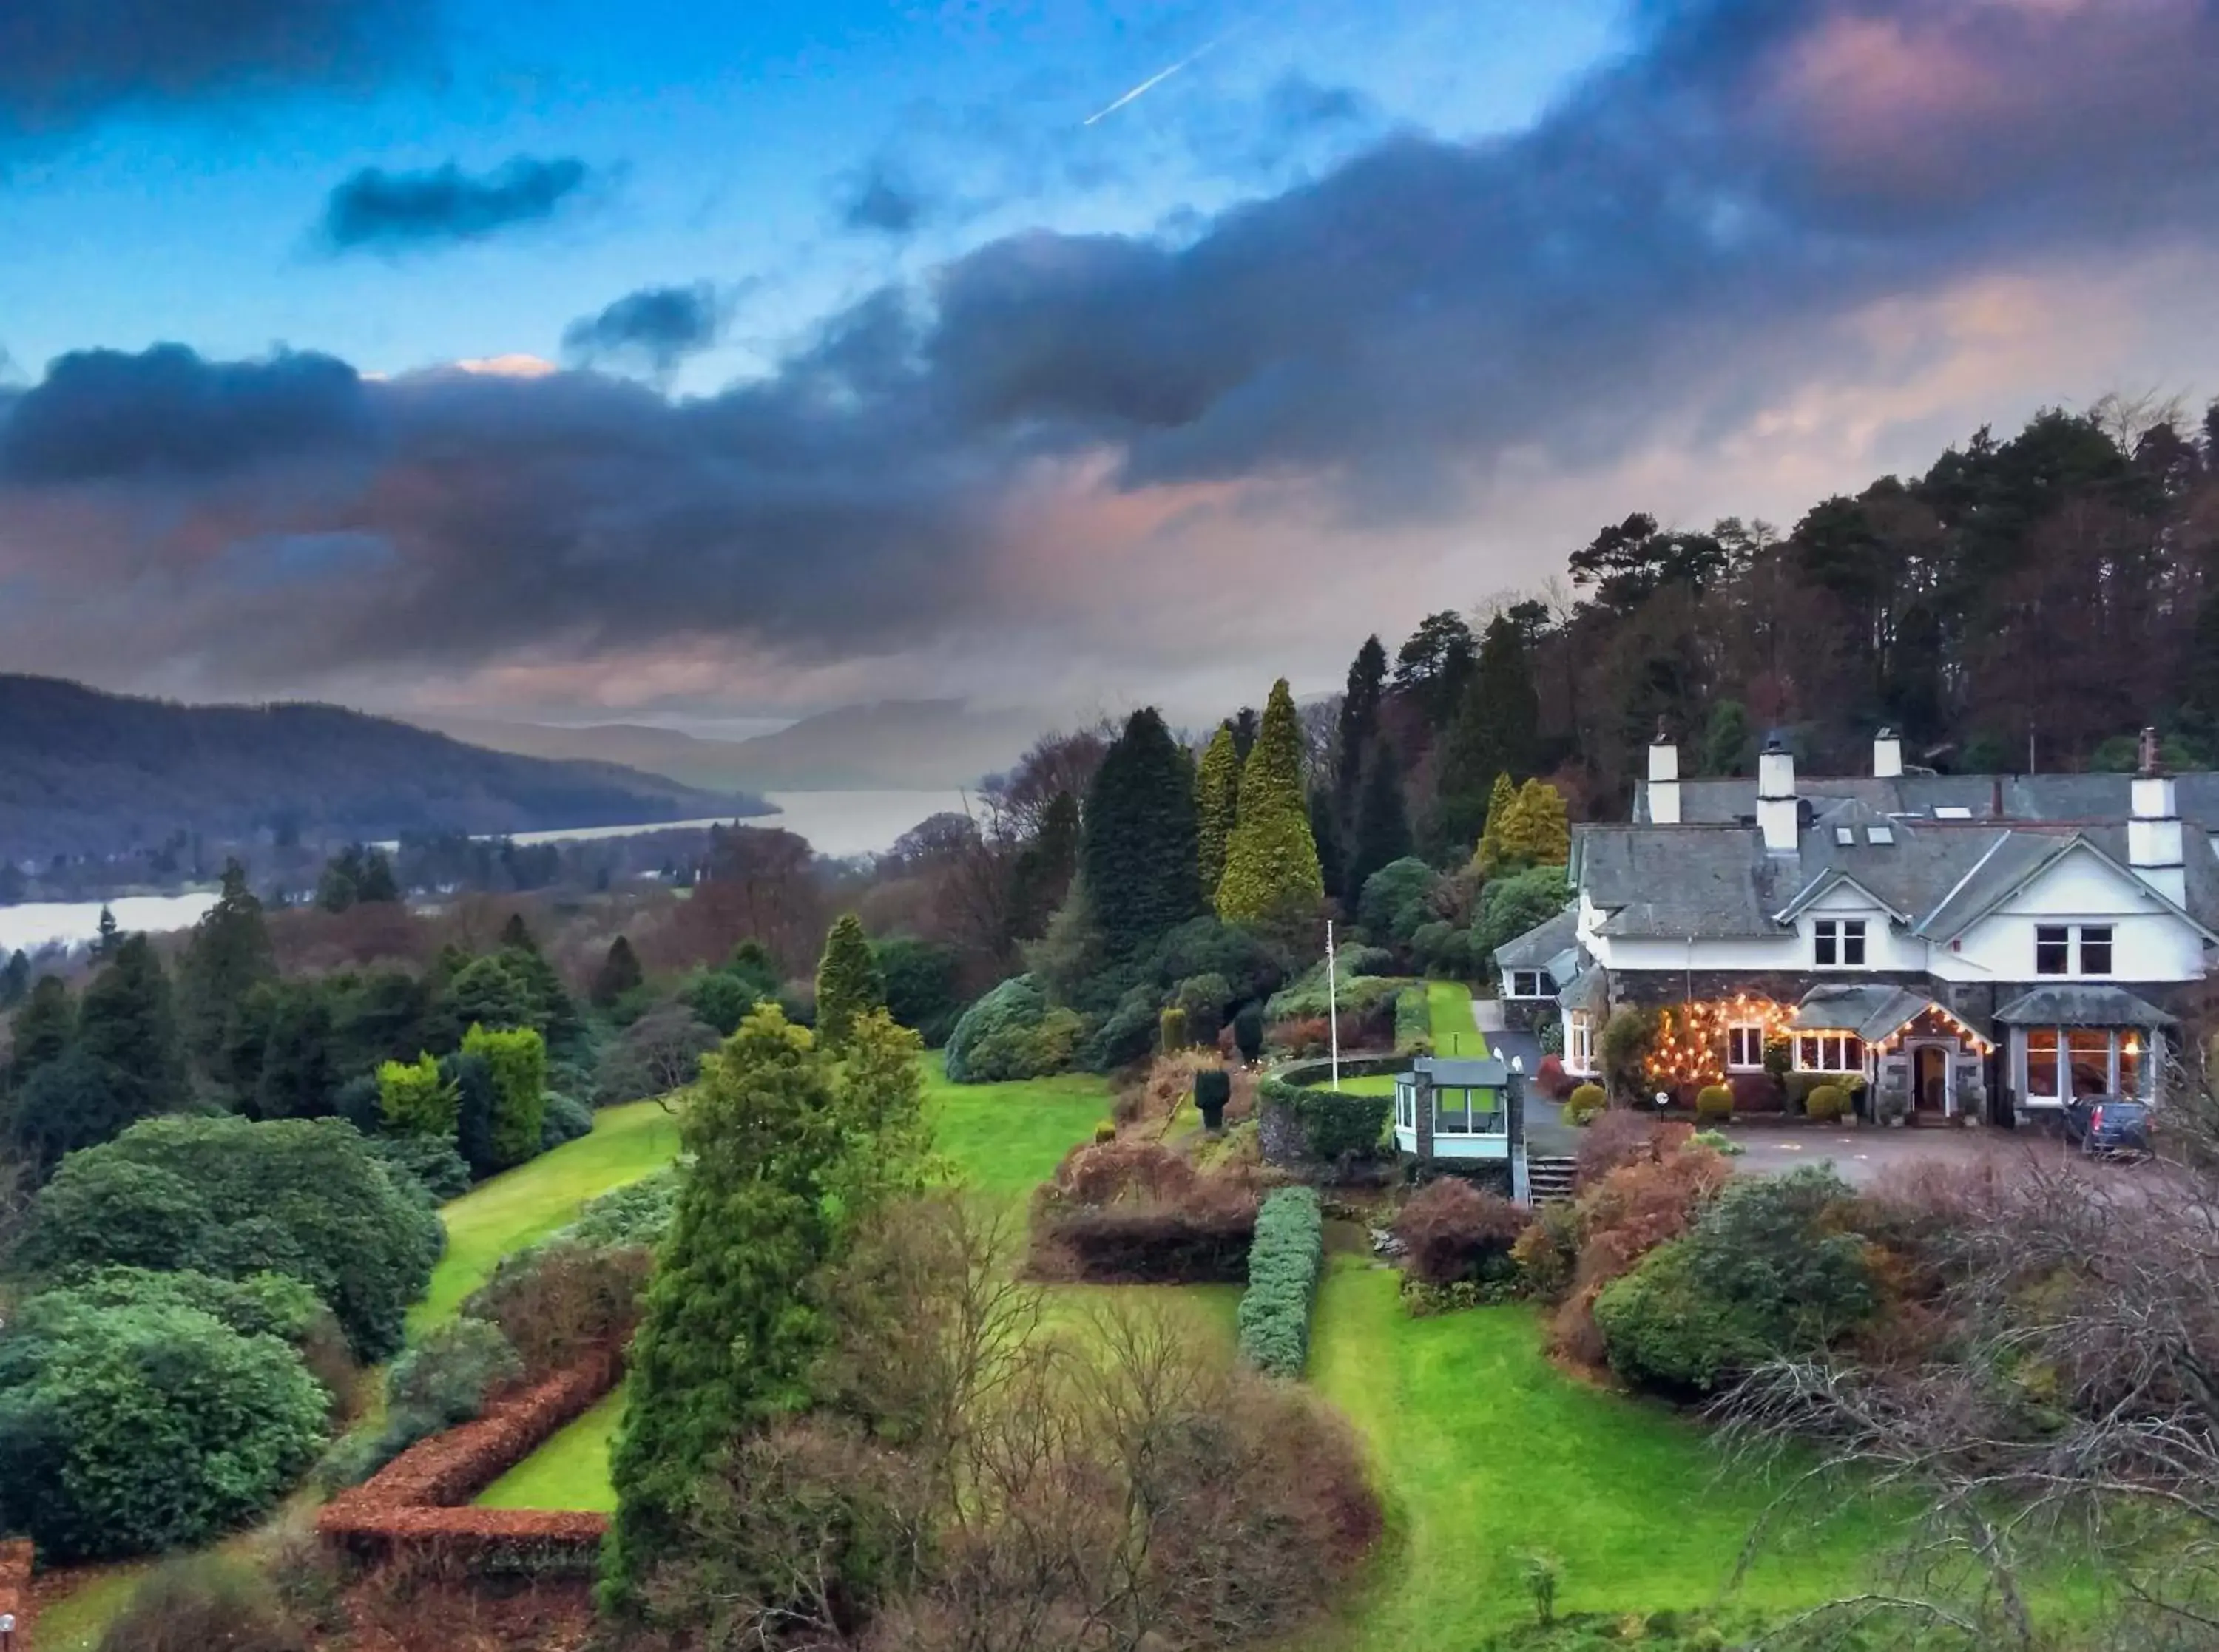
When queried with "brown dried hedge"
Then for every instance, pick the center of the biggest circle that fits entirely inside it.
(417, 1507)
(1130, 1212)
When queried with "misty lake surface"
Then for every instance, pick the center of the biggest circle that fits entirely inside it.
(840, 823)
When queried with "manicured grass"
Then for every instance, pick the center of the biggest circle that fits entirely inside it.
(1448, 1004)
(1485, 1451)
(570, 1472)
(1371, 1083)
(76, 1622)
(533, 1200)
(1006, 1139)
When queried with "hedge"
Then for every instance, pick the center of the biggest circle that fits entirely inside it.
(1285, 1263)
(1334, 1124)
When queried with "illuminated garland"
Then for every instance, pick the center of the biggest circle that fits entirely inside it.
(1690, 1047)
(1934, 1012)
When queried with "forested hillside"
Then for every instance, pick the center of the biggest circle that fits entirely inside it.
(87, 773)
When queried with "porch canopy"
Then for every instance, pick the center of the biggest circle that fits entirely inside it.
(2082, 1006)
(1874, 1013)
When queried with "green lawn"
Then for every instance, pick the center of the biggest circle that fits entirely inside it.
(533, 1201)
(1448, 1005)
(1484, 1450)
(570, 1472)
(1005, 1139)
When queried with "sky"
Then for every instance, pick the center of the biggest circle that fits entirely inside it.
(696, 363)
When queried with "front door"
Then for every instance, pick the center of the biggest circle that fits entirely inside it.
(1929, 1081)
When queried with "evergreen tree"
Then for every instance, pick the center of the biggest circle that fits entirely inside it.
(619, 973)
(553, 1014)
(849, 984)
(42, 1029)
(485, 992)
(110, 936)
(1326, 832)
(1140, 850)
(127, 1026)
(296, 1079)
(1383, 822)
(1434, 666)
(1271, 871)
(516, 935)
(1493, 839)
(1041, 875)
(730, 1333)
(1727, 738)
(1540, 833)
(376, 882)
(1358, 726)
(1497, 731)
(228, 955)
(1217, 805)
(1244, 726)
(14, 980)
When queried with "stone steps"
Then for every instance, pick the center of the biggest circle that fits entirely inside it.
(1551, 1181)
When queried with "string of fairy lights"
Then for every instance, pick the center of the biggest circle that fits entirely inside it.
(1691, 1042)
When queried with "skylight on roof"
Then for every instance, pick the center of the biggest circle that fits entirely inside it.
(1845, 834)
(1879, 836)
(1952, 811)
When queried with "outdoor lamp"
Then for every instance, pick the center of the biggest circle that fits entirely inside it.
(6, 1630)
(1517, 1064)
(1663, 1098)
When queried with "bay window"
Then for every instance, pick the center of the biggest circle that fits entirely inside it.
(2063, 1063)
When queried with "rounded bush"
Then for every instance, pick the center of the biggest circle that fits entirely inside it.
(1105, 1130)
(565, 1120)
(1011, 1033)
(126, 1430)
(1826, 1103)
(1714, 1105)
(1585, 1101)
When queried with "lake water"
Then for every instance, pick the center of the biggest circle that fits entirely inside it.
(840, 823)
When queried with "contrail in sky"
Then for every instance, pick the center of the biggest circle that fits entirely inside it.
(1161, 75)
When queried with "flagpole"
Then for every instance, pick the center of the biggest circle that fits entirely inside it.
(1333, 1003)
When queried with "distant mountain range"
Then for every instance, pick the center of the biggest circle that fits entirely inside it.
(893, 745)
(83, 773)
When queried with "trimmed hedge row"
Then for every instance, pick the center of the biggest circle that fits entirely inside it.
(1284, 1265)
(1334, 1125)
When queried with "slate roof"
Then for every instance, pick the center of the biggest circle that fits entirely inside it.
(1669, 882)
(1542, 945)
(1871, 1012)
(2081, 1006)
(1451, 1073)
(2031, 798)
(1589, 989)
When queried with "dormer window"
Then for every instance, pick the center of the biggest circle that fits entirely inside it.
(1838, 943)
(1845, 836)
(2053, 948)
(1881, 837)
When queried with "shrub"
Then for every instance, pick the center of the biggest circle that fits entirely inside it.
(1625, 1138)
(1826, 1102)
(1204, 999)
(1399, 899)
(1629, 1213)
(1719, 1142)
(263, 1305)
(1105, 1130)
(638, 1214)
(303, 1197)
(565, 1120)
(1354, 992)
(1714, 1105)
(428, 1165)
(1213, 1090)
(1453, 1231)
(920, 978)
(1548, 1252)
(202, 1602)
(132, 1429)
(1284, 1261)
(1586, 1102)
(1660, 1328)
(446, 1378)
(517, 1060)
(1627, 1038)
(1552, 1080)
(1130, 1211)
(1414, 1023)
(414, 1099)
(1248, 1032)
(1333, 1125)
(1011, 1033)
(1171, 1029)
(1756, 1092)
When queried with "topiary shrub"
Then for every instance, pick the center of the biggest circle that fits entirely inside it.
(1585, 1103)
(1332, 1126)
(1826, 1103)
(1171, 1030)
(415, 1099)
(1714, 1105)
(1011, 1033)
(1284, 1261)
(516, 1061)
(1756, 1092)
(1105, 1130)
(1248, 1032)
(1213, 1090)
(1452, 1232)
(131, 1429)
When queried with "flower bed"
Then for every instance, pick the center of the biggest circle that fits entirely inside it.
(419, 1505)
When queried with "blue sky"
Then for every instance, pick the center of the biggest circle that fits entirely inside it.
(727, 136)
(843, 358)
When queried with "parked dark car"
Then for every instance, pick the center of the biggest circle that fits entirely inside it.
(2106, 1124)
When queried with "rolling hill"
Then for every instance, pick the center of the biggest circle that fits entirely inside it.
(84, 772)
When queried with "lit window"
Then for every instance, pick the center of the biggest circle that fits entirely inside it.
(1579, 1042)
(2053, 949)
(1745, 1048)
(2088, 1053)
(2130, 1064)
(2041, 1065)
(1839, 943)
(2095, 949)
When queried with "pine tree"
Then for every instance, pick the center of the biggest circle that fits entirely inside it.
(16, 979)
(228, 955)
(1501, 806)
(1139, 849)
(376, 882)
(619, 973)
(1357, 726)
(42, 1029)
(1382, 822)
(1326, 832)
(1244, 726)
(128, 1027)
(297, 1077)
(553, 1013)
(728, 1336)
(111, 937)
(1041, 875)
(1540, 832)
(1496, 730)
(1271, 873)
(848, 982)
(1218, 805)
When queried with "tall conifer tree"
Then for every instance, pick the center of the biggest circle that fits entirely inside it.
(1271, 865)
(229, 955)
(127, 1026)
(1383, 822)
(1357, 726)
(848, 982)
(1140, 850)
(1218, 804)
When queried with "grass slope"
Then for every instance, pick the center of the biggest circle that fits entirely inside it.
(530, 1201)
(1485, 1451)
(570, 1472)
(1448, 1006)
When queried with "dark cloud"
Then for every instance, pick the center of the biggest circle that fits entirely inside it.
(392, 212)
(1679, 237)
(883, 198)
(658, 325)
(63, 62)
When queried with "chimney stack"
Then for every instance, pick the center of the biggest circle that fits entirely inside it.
(1664, 779)
(1776, 813)
(2155, 847)
(1887, 755)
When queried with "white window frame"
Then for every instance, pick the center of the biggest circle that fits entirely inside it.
(1835, 936)
(1579, 1042)
(1828, 1044)
(1750, 1035)
(2110, 943)
(1531, 983)
(2075, 940)
(2116, 1037)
